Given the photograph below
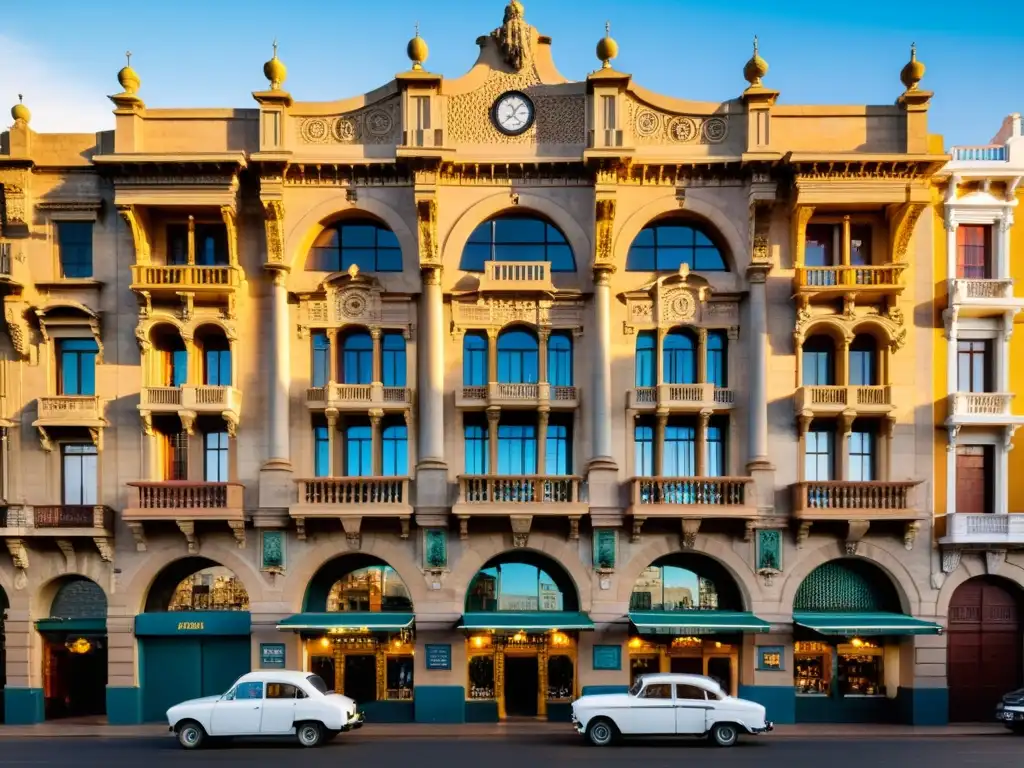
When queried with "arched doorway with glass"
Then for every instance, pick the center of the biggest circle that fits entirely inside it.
(687, 616)
(358, 633)
(194, 636)
(74, 652)
(522, 622)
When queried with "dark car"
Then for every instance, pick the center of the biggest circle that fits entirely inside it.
(1010, 711)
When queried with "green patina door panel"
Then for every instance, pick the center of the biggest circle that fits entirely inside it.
(171, 673)
(225, 659)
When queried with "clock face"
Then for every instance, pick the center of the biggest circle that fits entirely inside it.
(513, 113)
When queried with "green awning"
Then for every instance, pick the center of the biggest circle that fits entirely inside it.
(852, 623)
(527, 621)
(73, 626)
(352, 621)
(688, 623)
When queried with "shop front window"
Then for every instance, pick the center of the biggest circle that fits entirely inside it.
(481, 677)
(560, 678)
(813, 668)
(642, 665)
(859, 669)
(399, 677)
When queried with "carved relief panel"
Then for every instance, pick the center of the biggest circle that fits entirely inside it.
(666, 305)
(496, 313)
(379, 123)
(359, 304)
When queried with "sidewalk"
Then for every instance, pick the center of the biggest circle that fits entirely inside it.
(518, 729)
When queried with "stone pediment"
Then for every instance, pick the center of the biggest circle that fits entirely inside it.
(680, 299)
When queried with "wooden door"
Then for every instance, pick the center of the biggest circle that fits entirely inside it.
(972, 479)
(984, 648)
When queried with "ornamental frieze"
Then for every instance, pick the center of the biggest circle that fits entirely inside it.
(497, 313)
(651, 126)
(379, 123)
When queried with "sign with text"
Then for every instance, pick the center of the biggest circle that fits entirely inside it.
(272, 655)
(439, 657)
(607, 657)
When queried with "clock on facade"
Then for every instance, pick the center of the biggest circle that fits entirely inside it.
(513, 113)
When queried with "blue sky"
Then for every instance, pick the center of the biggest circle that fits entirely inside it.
(64, 54)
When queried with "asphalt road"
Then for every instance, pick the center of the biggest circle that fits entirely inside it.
(533, 752)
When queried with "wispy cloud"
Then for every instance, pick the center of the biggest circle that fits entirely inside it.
(61, 99)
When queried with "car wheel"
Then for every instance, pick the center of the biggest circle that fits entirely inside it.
(309, 734)
(725, 734)
(601, 732)
(191, 735)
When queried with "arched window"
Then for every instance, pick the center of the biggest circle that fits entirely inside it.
(357, 358)
(513, 237)
(367, 244)
(560, 359)
(517, 357)
(671, 588)
(516, 586)
(819, 362)
(374, 589)
(474, 359)
(210, 589)
(393, 359)
(645, 361)
(863, 361)
(663, 247)
(395, 447)
(717, 359)
(680, 357)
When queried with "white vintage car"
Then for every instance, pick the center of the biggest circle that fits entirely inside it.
(668, 705)
(267, 703)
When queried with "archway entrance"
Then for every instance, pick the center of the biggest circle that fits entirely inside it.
(984, 647)
(75, 650)
(194, 635)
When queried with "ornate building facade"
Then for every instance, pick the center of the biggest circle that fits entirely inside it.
(546, 383)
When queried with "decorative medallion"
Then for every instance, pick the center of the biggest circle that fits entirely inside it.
(315, 130)
(344, 130)
(680, 306)
(379, 122)
(682, 129)
(352, 304)
(647, 123)
(715, 130)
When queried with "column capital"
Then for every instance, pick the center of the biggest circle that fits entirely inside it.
(375, 332)
(705, 417)
(493, 414)
(431, 274)
(332, 416)
(375, 414)
(603, 273)
(757, 274)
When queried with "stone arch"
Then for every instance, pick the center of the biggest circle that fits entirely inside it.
(302, 234)
(704, 211)
(832, 327)
(65, 594)
(970, 569)
(742, 576)
(198, 323)
(164, 585)
(546, 208)
(890, 565)
(40, 599)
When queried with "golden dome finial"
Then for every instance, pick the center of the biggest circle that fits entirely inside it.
(275, 71)
(417, 50)
(913, 72)
(128, 77)
(607, 48)
(20, 112)
(756, 68)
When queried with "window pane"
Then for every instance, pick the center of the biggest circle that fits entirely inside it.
(394, 360)
(321, 452)
(476, 449)
(517, 238)
(395, 446)
(358, 235)
(358, 451)
(74, 243)
(321, 359)
(179, 368)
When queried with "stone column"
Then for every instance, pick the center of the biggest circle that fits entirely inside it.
(542, 355)
(332, 441)
(376, 378)
(376, 454)
(493, 417)
(332, 356)
(846, 427)
(703, 422)
(542, 440)
(492, 355)
(601, 397)
(660, 422)
(702, 355)
(280, 372)
(757, 430)
(431, 371)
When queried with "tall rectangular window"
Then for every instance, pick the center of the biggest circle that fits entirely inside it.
(973, 252)
(819, 249)
(74, 247)
(558, 448)
(393, 359)
(818, 362)
(643, 450)
(422, 112)
(215, 457)
(474, 359)
(646, 359)
(863, 372)
(819, 458)
(175, 450)
(477, 452)
(218, 368)
(560, 359)
(321, 451)
(395, 446)
(973, 368)
(358, 451)
(860, 245)
(716, 445)
(77, 362)
(321, 359)
(680, 457)
(211, 245)
(974, 464)
(717, 359)
(176, 373)
(862, 456)
(79, 467)
(517, 449)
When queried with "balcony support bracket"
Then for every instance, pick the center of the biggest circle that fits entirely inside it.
(855, 531)
(638, 524)
(105, 546)
(995, 559)
(463, 528)
(910, 532)
(188, 421)
(688, 538)
(404, 522)
(802, 533)
(300, 528)
(521, 530)
(139, 534)
(352, 526)
(188, 527)
(44, 440)
(950, 560)
(67, 548)
(574, 529)
(238, 531)
(19, 553)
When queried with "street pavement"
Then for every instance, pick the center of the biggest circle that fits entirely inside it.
(541, 749)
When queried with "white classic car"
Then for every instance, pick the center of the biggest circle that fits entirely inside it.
(668, 705)
(267, 703)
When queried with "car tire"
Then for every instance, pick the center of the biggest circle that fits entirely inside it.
(191, 734)
(725, 734)
(602, 732)
(309, 734)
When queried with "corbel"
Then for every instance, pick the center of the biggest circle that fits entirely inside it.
(188, 422)
(67, 548)
(105, 546)
(231, 423)
(139, 534)
(521, 530)
(238, 531)
(801, 217)
(19, 553)
(855, 531)
(135, 220)
(352, 525)
(300, 528)
(688, 536)
(188, 527)
(227, 213)
(96, 434)
(910, 531)
(44, 440)
(902, 220)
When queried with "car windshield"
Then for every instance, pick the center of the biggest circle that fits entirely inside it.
(636, 686)
(317, 682)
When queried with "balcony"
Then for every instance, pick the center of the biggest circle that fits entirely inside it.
(185, 502)
(168, 282)
(350, 499)
(514, 276)
(980, 531)
(358, 397)
(985, 153)
(983, 409)
(866, 282)
(200, 400)
(690, 499)
(832, 400)
(69, 411)
(63, 522)
(521, 498)
(983, 298)
(525, 396)
(857, 504)
(682, 398)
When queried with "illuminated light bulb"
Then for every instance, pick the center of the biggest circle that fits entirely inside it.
(325, 642)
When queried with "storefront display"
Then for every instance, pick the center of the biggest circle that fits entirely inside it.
(813, 668)
(860, 669)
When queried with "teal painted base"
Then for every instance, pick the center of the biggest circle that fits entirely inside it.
(597, 690)
(388, 711)
(923, 706)
(480, 711)
(440, 704)
(559, 713)
(828, 709)
(23, 706)
(779, 701)
(124, 706)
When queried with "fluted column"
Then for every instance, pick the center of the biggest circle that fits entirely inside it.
(280, 371)
(757, 330)
(431, 370)
(601, 397)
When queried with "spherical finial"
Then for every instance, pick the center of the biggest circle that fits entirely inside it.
(127, 77)
(417, 50)
(20, 112)
(913, 73)
(755, 69)
(275, 71)
(607, 48)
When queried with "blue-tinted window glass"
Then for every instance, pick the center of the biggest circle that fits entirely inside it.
(680, 357)
(74, 244)
(680, 451)
(560, 360)
(474, 359)
(218, 367)
(863, 372)
(646, 359)
(358, 451)
(321, 452)
(665, 247)
(211, 242)
(517, 238)
(671, 588)
(366, 244)
(819, 459)
(179, 368)
(78, 366)
(716, 451)
(643, 439)
(517, 449)
(513, 587)
(558, 449)
(477, 455)
(80, 473)
(357, 358)
(395, 445)
(862, 456)
(717, 359)
(393, 359)
(321, 359)
(517, 357)
(819, 362)
(216, 457)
